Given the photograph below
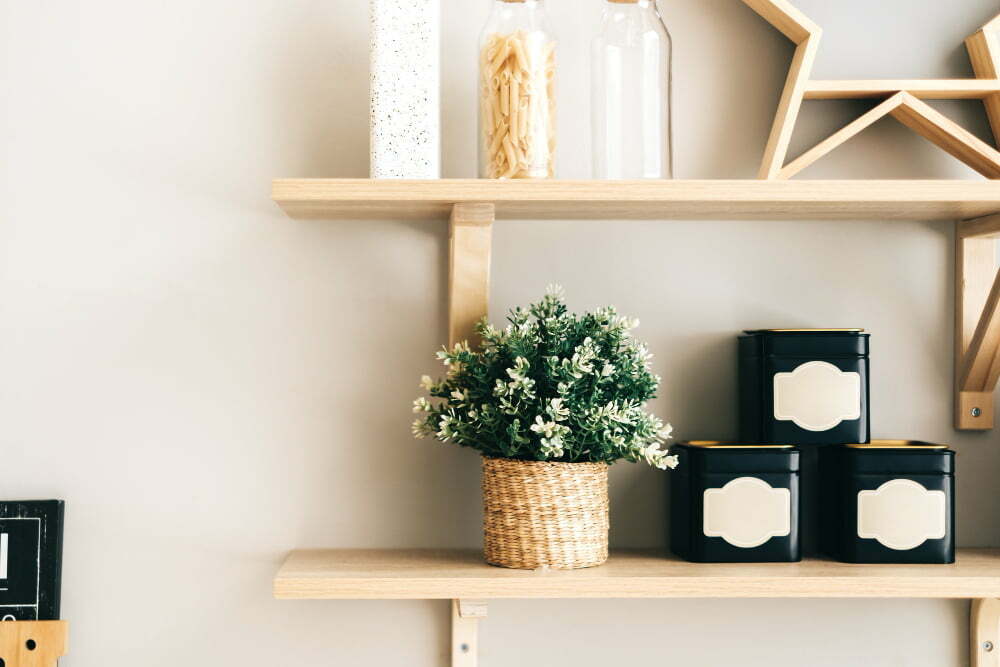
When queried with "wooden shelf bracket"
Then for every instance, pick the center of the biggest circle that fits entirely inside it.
(984, 628)
(977, 322)
(469, 269)
(32, 643)
(465, 617)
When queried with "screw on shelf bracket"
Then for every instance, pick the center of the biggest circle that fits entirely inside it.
(32, 643)
(977, 322)
(465, 615)
(984, 630)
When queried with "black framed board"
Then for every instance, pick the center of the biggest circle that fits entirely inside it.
(31, 537)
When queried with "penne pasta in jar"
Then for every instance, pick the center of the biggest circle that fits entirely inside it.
(517, 129)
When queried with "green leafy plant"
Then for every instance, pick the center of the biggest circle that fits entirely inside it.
(551, 386)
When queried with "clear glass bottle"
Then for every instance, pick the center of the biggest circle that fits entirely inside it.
(630, 92)
(517, 136)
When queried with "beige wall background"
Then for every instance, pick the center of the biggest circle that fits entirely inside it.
(209, 384)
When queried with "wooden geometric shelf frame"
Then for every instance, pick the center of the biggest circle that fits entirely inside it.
(903, 98)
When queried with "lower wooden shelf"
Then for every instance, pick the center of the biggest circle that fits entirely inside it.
(327, 574)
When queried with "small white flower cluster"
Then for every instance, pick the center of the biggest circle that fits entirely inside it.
(551, 386)
(551, 436)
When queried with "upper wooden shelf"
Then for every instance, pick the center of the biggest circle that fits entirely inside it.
(352, 199)
(441, 574)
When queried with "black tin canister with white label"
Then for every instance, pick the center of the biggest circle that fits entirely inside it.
(805, 386)
(735, 503)
(888, 501)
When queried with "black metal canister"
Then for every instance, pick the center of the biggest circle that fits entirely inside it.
(889, 501)
(734, 503)
(804, 386)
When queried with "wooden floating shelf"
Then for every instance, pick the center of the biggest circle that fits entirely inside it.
(357, 199)
(354, 574)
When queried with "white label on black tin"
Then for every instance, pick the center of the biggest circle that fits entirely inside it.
(901, 514)
(747, 512)
(817, 396)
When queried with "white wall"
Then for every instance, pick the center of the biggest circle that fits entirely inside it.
(210, 384)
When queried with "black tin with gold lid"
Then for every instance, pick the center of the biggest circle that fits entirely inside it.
(888, 501)
(735, 503)
(806, 386)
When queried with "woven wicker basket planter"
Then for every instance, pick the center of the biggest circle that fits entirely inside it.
(539, 514)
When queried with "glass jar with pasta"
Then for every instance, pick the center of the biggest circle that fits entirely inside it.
(517, 137)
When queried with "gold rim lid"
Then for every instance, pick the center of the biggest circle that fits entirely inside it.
(718, 444)
(803, 330)
(897, 444)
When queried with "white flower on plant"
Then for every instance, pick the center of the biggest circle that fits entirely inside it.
(421, 429)
(556, 410)
(608, 370)
(617, 413)
(544, 427)
(524, 386)
(520, 382)
(658, 458)
(445, 431)
(426, 383)
(643, 356)
(520, 369)
(448, 357)
(552, 447)
(459, 395)
(421, 405)
(666, 432)
(552, 436)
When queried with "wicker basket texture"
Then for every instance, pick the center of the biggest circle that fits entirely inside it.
(538, 514)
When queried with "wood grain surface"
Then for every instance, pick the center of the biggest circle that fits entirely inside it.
(443, 574)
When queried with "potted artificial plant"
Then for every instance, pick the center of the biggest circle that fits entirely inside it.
(549, 401)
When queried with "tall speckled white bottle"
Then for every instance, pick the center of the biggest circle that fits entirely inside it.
(405, 89)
